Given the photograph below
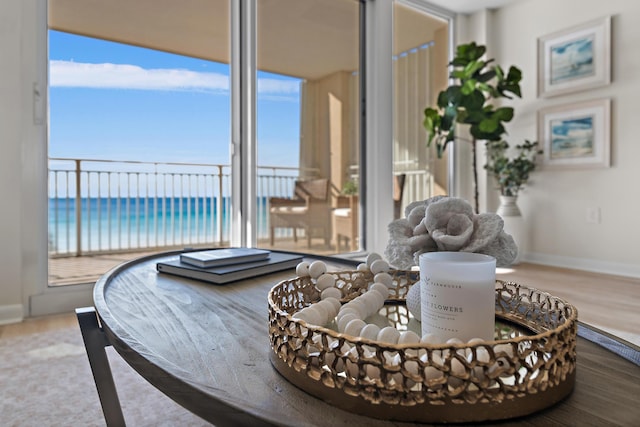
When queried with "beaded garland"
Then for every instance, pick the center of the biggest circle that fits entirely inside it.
(350, 317)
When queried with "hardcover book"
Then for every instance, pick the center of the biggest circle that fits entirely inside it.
(230, 273)
(226, 256)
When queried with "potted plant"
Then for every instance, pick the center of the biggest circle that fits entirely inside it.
(511, 173)
(469, 101)
(350, 188)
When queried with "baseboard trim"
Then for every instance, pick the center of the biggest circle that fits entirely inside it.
(12, 313)
(585, 264)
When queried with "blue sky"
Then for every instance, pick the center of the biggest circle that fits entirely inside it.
(118, 102)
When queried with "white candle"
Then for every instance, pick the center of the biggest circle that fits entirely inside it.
(457, 295)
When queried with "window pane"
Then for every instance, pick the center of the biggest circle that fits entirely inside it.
(308, 122)
(138, 132)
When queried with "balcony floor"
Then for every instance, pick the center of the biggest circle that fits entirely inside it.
(88, 268)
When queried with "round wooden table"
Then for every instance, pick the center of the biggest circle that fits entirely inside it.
(207, 348)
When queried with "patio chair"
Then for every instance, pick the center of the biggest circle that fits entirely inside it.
(345, 216)
(398, 191)
(345, 222)
(308, 209)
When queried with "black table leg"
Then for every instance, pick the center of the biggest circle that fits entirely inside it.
(95, 342)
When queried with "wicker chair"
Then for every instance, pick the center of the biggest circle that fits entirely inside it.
(345, 216)
(309, 209)
(345, 222)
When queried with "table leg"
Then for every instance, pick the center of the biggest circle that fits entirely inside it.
(95, 342)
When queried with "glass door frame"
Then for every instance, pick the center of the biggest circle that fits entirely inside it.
(376, 73)
(450, 17)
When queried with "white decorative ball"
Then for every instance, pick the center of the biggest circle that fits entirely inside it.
(317, 269)
(384, 278)
(359, 306)
(325, 281)
(344, 310)
(430, 339)
(389, 335)
(312, 316)
(344, 320)
(331, 293)
(370, 331)
(324, 312)
(362, 267)
(379, 266)
(330, 308)
(334, 301)
(408, 337)
(374, 300)
(354, 327)
(373, 256)
(302, 269)
(382, 289)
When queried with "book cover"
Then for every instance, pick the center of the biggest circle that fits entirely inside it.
(230, 273)
(224, 256)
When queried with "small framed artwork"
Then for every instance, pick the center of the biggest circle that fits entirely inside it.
(576, 135)
(575, 59)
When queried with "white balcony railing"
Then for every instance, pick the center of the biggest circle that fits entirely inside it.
(98, 206)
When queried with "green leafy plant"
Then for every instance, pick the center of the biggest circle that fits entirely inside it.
(477, 83)
(350, 188)
(511, 173)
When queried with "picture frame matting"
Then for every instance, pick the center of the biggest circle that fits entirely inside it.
(576, 135)
(575, 59)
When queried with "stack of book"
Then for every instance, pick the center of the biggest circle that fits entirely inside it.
(226, 265)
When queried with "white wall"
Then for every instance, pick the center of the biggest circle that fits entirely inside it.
(23, 214)
(10, 136)
(555, 203)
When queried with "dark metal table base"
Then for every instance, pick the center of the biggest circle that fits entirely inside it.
(95, 342)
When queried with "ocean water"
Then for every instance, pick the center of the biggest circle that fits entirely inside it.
(140, 223)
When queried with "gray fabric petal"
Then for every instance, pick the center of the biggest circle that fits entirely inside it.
(415, 214)
(399, 229)
(503, 249)
(438, 213)
(423, 241)
(455, 235)
(487, 227)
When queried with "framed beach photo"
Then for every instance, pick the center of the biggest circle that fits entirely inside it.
(575, 59)
(576, 135)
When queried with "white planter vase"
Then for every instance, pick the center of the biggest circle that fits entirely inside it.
(514, 223)
(508, 206)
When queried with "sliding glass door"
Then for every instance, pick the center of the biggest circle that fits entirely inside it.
(301, 167)
(308, 118)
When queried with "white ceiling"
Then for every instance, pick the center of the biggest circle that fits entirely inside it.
(470, 6)
(302, 38)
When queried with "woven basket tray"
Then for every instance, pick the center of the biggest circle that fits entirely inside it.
(530, 366)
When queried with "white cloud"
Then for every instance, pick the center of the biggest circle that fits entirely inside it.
(123, 76)
(276, 86)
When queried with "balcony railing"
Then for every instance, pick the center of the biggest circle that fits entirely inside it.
(103, 206)
(98, 206)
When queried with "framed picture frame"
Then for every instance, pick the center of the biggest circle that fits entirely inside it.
(576, 135)
(575, 59)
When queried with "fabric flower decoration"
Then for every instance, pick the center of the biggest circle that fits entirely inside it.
(447, 224)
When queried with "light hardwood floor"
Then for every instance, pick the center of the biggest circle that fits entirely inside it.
(610, 303)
